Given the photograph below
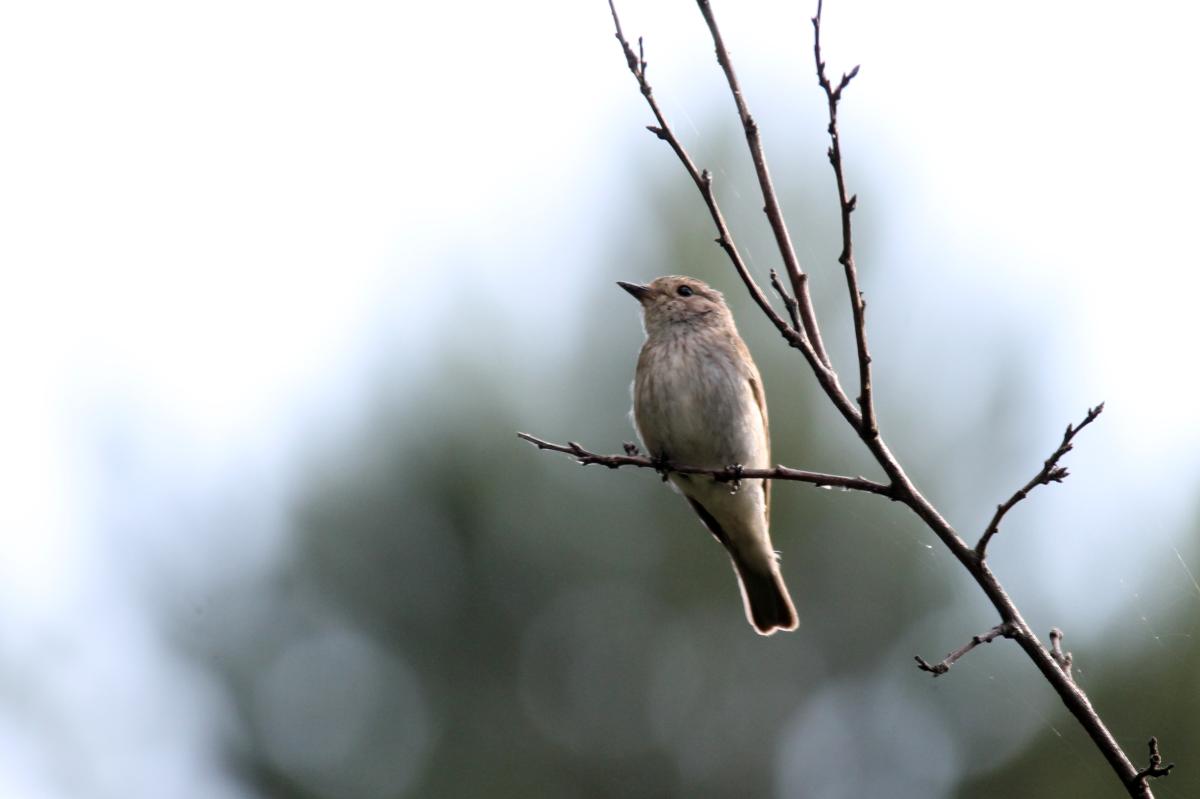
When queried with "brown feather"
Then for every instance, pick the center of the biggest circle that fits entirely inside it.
(764, 596)
(760, 398)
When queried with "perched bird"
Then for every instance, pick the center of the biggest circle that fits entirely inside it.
(698, 401)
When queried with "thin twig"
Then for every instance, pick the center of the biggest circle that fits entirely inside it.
(729, 474)
(847, 203)
(944, 665)
(783, 238)
(1050, 472)
(1063, 659)
(789, 301)
(1156, 768)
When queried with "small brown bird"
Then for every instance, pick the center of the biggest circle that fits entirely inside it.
(698, 401)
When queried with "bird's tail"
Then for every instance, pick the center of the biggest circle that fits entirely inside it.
(768, 605)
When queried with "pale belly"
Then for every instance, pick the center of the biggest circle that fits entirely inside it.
(699, 411)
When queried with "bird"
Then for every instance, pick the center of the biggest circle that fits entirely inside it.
(698, 400)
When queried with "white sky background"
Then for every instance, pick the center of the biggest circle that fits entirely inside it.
(211, 215)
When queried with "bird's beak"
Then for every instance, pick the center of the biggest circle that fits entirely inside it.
(639, 292)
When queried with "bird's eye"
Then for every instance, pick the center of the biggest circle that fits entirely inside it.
(684, 291)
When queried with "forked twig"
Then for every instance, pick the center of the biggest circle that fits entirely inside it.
(1050, 472)
(847, 204)
(943, 666)
(1156, 768)
(1063, 659)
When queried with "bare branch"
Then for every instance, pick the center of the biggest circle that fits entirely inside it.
(940, 668)
(1050, 472)
(803, 335)
(1155, 769)
(783, 238)
(729, 474)
(847, 203)
(1063, 659)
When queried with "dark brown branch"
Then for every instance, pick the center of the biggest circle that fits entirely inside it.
(1156, 768)
(783, 238)
(847, 203)
(1051, 472)
(1063, 659)
(800, 339)
(942, 667)
(729, 474)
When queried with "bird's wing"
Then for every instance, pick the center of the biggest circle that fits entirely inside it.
(761, 399)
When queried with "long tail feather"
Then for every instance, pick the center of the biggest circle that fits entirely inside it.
(768, 605)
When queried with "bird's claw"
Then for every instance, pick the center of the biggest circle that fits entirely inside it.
(661, 465)
(735, 476)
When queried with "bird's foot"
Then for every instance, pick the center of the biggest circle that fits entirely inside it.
(734, 470)
(661, 465)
